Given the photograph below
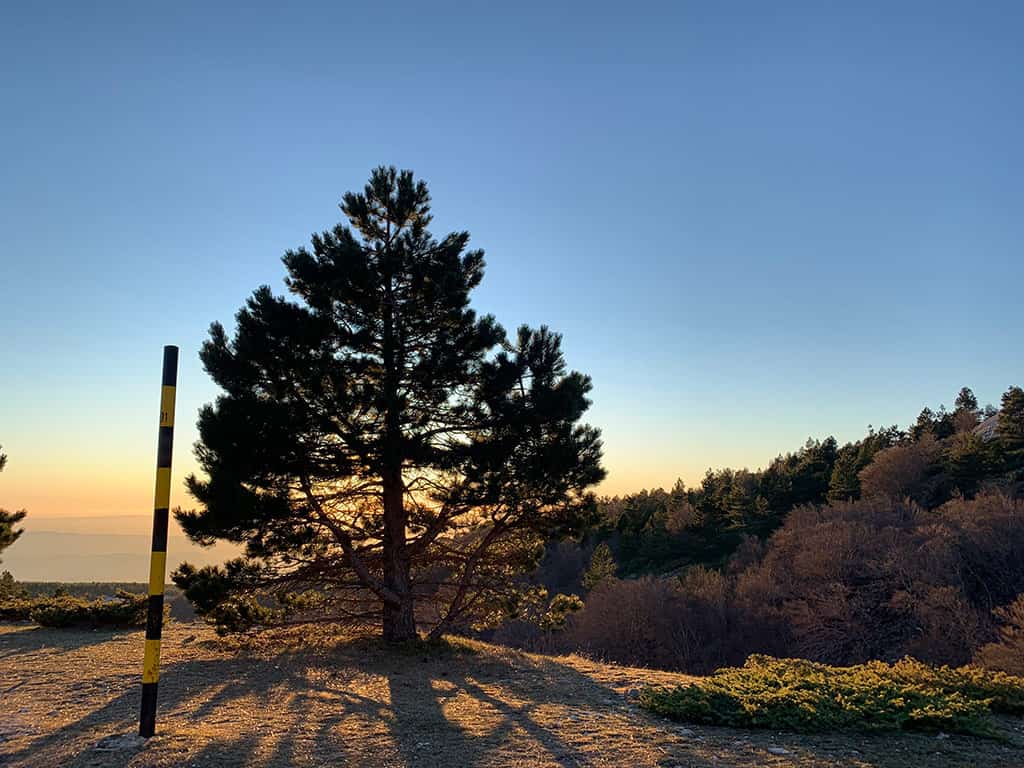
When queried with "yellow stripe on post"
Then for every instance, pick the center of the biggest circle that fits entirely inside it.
(157, 568)
(162, 496)
(167, 405)
(151, 665)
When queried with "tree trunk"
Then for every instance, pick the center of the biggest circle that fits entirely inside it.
(399, 619)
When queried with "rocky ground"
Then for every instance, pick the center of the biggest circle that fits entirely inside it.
(70, 698)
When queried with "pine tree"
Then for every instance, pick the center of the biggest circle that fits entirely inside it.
(1011, 426)
(741, 499)
(680, 513)
(844, 484)
(9, 588)
(924, 425)
(378, 444)
(937, 424)
(966, 401)
(602, 566)
(966, 459)
(8, 520)
(965, 414)
(944, 424)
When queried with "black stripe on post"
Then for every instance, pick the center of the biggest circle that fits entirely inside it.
(147, 720)
(170, 372)
(159, 530)
(155, 617)
(164, 447)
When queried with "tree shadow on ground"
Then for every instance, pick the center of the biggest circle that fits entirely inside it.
(357, 703)
(361, 703)
(31, 637)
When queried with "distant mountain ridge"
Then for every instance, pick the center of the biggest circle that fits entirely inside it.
(114, 548)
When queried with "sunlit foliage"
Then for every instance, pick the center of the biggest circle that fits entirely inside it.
(788, 694)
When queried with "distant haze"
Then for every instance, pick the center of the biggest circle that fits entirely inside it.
(102, 548)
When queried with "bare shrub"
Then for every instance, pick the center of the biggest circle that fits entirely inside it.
(948, 627)
(901, 471)
(631, 622)
(1007, 653)
(824, 572)
(748, 553)
(690, 624)
(879, 579)
(988, 536)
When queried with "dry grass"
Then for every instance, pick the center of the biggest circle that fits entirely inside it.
(316, 700)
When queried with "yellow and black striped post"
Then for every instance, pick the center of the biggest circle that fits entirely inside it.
(158, 558)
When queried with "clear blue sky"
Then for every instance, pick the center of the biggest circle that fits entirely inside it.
(753, 222)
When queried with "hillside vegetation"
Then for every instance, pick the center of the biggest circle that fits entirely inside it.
(943, 455)
(905, 543)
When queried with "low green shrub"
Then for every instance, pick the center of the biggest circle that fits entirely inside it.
(10, 589)
(797, 695)
(126, 610)
(16, 609)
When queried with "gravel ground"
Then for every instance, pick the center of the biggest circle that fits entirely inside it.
(71, 698)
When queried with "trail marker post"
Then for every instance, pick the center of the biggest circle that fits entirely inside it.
(158, 556)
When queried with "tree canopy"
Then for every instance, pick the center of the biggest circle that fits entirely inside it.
(1011, 426)
(381, 451)
(8, 520)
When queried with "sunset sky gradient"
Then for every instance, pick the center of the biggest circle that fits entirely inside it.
(753, 222)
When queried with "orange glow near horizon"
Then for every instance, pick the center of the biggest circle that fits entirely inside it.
(95, 488)
(79, 492)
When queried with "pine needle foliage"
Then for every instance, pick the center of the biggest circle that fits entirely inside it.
(9, 533)
(602, 566)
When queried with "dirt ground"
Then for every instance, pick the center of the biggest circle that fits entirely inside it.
(71, 698)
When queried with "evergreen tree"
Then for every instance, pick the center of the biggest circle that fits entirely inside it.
(8, 520)
(844, 484)
(813, 471)
(1011, 426)
(965, 459)
(638, 511)
(558, 612)
(965, 414)
(9, 588)
(924, 424)
(741, 501)
(944, 424)
(937, 424)
(602, 566)
(966, 401)
(680, 513)
(9, 533)
(377, 444)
